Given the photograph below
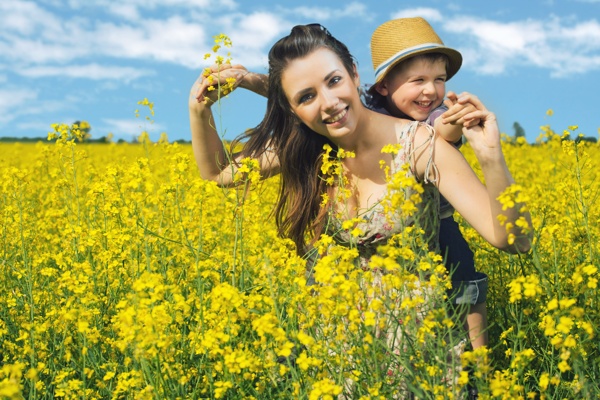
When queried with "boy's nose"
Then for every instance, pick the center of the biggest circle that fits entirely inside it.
(428, 88)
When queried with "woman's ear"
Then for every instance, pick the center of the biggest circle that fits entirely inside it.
(356, 76)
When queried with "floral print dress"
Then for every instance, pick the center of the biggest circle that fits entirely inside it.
(376, 226)
(380, 222)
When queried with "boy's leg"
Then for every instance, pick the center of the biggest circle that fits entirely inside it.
(469, 300)
(476, 325)
(469, 287)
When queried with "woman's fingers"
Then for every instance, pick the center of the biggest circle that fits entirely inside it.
(223, 78)
(465, 98)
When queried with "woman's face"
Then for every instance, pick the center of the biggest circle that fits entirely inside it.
(322, 93)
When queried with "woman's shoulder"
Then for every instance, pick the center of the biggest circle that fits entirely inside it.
(422, 130)
(386, 120)
(412, 130)
(404, 129)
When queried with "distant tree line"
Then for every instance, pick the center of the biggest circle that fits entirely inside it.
(86, 137)
(520, 132)
(103, 139)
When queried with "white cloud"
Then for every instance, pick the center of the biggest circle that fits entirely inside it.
(492, 47)
(356, 10)
(117, 9)
(100, 39)
(324, 14)
(251, 35)
(20, 17)
(179, 41)
(587, 33)
(21, 110)
(30, 36)
(430, 14)
(89, 71)
(35, 42)
(12, 103)
(129, 128)
(223, 5)
(42, 42)
(127, 11)
(172, 40)
(32, 129)
(562, 45)
(499, 39)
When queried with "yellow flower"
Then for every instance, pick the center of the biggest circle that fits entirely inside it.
(324, 389)
(564, 366)
(544, 381)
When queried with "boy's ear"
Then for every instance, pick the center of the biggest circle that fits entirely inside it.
(382, 88)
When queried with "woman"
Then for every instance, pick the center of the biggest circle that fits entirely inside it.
(312, 101)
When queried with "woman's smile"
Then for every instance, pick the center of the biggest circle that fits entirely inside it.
(337, 117)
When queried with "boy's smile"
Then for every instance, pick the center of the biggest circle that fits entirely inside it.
(415, 88)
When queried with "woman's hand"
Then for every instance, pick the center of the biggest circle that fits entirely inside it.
(484, 135)
(215, 82)
(459, 111)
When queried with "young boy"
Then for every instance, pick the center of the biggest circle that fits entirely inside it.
(411, 67)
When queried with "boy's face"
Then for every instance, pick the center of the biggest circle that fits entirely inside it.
(414, 88)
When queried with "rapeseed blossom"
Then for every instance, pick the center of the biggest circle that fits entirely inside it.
(124, 275)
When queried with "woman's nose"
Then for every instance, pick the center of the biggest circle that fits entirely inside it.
(330, 100)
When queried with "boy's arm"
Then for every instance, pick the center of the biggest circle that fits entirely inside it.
(451, 133)
(450, 125)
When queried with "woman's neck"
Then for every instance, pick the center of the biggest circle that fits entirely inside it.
(371, 134)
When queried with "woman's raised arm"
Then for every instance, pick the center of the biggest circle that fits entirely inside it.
(479, 203)
(211, 157)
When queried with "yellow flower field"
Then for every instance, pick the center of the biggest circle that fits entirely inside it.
(124, 275)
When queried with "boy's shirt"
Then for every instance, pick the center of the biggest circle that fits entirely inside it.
(370, 101)
(375, 104)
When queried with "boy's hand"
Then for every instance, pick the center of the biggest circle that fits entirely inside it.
(460, 109)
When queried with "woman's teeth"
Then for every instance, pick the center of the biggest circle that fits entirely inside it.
(337, 117)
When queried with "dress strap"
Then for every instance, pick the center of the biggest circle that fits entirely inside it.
(431, 174)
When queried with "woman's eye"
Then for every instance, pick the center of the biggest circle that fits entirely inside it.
(335, 80)
(305, 98)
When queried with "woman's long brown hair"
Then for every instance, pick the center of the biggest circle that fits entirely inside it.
(298, 212)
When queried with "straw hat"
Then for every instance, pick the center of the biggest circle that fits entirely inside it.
(400, 39)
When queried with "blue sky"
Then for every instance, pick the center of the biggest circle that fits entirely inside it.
(93, 60)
